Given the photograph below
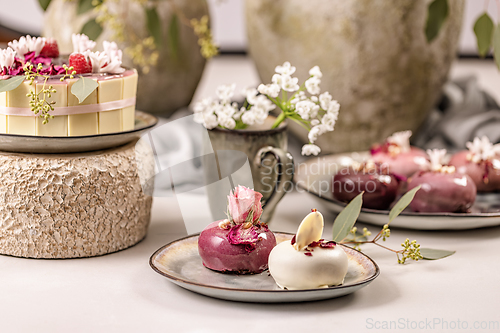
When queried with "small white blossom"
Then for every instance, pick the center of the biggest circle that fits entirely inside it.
(436, 157)
(289, 83)
(251, 94)
(316, 72)
(276, 79)
(324, 100)
(312, 85)
(334, 108)
(286, 69)
(7, 58)
(82, 43)
(300, 96)
(401, 139)
(28, 44)
(97, 59)
(272, 90)
(114, 62)
(315, 122)
(482, 149)
(227, 122)
(310, 149)
(315, 132)
(314, 99)
(307, 109)
(225, 92)
(249, 117)
(329, 120)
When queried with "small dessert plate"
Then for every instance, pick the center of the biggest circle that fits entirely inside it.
(75, 144)
(315, 176)
(180, 262)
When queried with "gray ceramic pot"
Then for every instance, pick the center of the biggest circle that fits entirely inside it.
(374, 56)
(263, 164)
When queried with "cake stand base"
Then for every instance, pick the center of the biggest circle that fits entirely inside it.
(74, 205)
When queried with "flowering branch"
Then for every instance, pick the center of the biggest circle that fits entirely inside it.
(316, 113)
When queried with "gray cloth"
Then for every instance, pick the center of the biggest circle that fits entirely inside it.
(464, 112)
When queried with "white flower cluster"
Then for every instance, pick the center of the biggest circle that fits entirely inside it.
(107, 61)
(482, 149)
(28, 44)
(7, 57)
(317, 112)
(224, 113)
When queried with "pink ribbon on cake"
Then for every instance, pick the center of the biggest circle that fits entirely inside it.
(67, 110)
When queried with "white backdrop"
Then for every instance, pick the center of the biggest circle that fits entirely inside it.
(228, 21)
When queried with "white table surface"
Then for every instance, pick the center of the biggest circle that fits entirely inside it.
(121, 293)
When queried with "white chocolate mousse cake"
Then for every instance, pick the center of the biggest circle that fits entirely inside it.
(307, 261)
(86, 93)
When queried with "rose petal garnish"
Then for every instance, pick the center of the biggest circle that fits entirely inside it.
(238, 235)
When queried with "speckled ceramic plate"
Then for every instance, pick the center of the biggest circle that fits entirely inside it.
(75, 144)
(180, 262)
(315, 176)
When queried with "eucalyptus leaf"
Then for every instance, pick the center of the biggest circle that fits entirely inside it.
(496, 45)
(83, 88)
(11, 84)
(84, 6)
(153, 24)
(483, 28)
(434, 254)
(402, 203)
(437, 14)
(173, 36)
(92, 29)
(44, 4)
(346, 218)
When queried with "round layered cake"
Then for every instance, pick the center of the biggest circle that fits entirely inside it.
(85, 93)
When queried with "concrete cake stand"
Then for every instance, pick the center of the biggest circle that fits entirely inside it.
(75, 205)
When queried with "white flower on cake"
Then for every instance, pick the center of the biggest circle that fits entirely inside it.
(97, 59)
(316, 113)
(481, 149)
(308, 261)
(82, 43)
(7, 57)
(401, 139)
(27, 44)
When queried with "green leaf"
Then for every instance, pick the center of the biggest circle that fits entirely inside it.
(92, 29)
(346, 219)
(153, 24)
(433, 254)
(44, 4)
(496, 45)
(483, 28)
(437, 13)
(83, 88)
(402, 203)
(173, 36)
(84, 6)
(11, 84)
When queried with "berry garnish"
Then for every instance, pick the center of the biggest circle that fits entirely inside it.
(50, 49)
(79, 63)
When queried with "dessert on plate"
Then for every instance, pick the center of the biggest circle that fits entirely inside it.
(481, 162)
(84, 93)
(241, 243)
(375, 179)
(444, 189)
(307, 261)
(401, 158)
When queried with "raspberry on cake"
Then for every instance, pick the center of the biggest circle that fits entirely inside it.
(85, 93)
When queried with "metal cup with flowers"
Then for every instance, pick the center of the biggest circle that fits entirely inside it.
(252, 130)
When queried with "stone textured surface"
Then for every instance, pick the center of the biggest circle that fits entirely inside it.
(174, 78)
(74, 205)
(373, 54)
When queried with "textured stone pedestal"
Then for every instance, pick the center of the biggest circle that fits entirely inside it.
(74, 205)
